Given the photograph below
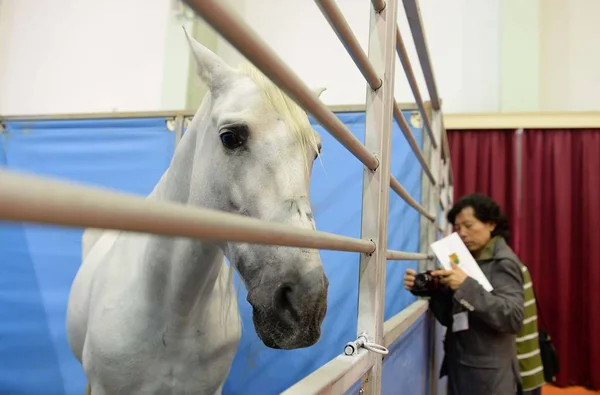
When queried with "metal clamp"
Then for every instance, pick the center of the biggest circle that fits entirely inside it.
(351, 348)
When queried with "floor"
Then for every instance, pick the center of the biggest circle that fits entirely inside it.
(549, 390)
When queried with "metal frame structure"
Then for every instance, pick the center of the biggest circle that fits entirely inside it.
(42, 200)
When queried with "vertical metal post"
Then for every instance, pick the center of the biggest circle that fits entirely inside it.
(445, 196)
(179, 119)
(425, 225)
(443, 189)
(446, 191)
(519, 152)
(450, 202)
(443, 201)
(430, 199)
(376, 185)
(427, 191)
(436, 160)
(425, 187)
(433, 328)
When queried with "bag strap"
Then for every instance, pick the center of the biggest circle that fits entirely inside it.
(539, 310)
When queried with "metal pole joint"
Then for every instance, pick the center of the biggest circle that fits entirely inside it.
(362, 341)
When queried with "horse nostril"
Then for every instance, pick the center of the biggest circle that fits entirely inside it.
(284, 306)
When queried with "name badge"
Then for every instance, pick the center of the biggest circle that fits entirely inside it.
(460, 322)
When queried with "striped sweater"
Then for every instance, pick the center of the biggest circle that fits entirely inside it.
(528, 349)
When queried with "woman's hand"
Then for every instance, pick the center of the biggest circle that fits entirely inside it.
(409, 279)
(452, 278)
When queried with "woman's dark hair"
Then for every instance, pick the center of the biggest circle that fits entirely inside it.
(485, 209)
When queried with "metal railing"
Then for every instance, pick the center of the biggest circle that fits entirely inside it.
(40, 200)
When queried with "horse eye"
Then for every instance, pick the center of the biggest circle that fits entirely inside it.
(230, 140)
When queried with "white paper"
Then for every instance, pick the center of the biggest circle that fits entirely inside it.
(452, 247)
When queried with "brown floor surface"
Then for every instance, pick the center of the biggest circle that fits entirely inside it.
(550, 390)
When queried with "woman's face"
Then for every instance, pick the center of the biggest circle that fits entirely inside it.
(474, 233)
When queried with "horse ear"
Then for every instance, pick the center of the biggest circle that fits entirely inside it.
(319, 91)
(212, 70)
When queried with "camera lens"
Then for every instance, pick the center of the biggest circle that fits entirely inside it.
(421, 280)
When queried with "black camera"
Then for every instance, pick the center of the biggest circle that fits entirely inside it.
(425, 282)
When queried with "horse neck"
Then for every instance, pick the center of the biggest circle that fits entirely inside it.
(189, 270)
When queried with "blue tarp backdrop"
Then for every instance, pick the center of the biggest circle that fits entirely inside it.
(38, 263)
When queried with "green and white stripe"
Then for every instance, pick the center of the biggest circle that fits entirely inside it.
(528, 349)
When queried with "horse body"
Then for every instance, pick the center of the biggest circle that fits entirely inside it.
(149, 314)
(153, 315)
(137, 339)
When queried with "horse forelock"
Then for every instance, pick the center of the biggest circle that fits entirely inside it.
(291, 113)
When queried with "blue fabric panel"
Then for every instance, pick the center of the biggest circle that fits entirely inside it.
(130, 155)
(406, 369)
(404, 222)
(26, 347)
(28, 361)
(355, 389)
(39, 262)
(3, 142)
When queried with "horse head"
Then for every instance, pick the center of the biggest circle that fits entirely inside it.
(262, 149)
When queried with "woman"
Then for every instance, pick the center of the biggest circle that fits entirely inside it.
(480, 350)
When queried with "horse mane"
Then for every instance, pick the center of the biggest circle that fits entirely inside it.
(291, 113)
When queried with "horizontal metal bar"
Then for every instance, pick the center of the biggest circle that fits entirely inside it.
(398, 324)
(335, 377)
(399, 189)
(41, 200)
(412, 81)
(412, 142)
(362, 107)
(393, 255)
(344, 32)
(97, 115)
(341, 373)
(161, 114)
(413, 14)
(220, 16)
(378, 5)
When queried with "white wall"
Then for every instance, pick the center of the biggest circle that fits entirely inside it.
(69, 56)
(570, 58)
(462, 37)
(73, 56)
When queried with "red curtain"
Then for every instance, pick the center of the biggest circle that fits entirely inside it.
(484, 161)
(560, 243)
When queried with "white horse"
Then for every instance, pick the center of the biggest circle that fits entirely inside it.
(158, 315)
